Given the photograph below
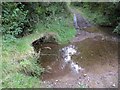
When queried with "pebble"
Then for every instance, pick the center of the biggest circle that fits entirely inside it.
(113, 85)
(91, 54)
(88, 79)
(85, 75)
(79, 83)
(79, 77)
(97, 82)
(56, 80)
(49, 67)
(102, 38)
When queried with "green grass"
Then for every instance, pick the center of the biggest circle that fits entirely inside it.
(17, 57)
(18, 61)
(18, 80)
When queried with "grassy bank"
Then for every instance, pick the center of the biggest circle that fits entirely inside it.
(62, 26)
(19, 64)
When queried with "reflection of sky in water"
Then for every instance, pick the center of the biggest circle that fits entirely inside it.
(67, 53)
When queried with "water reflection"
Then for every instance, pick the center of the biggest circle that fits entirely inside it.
(58, 64)
(67, 53)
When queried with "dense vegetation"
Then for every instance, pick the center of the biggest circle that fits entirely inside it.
(101, 13)
(19, 18)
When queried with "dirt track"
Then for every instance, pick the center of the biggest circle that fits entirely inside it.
(98, 57)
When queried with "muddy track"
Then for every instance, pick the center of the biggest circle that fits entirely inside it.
(96, 57)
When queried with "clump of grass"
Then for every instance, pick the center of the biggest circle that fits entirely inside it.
(22, 73)
(31, 67)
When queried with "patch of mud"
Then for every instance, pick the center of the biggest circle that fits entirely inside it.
(84, 34)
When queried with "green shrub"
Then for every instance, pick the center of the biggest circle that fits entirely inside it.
(14, 19)
(18, 19)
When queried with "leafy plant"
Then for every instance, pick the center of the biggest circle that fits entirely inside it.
(14, 19)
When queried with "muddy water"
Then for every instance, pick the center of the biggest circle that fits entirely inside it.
(90, 55)
(58, 61)
(96, 55)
